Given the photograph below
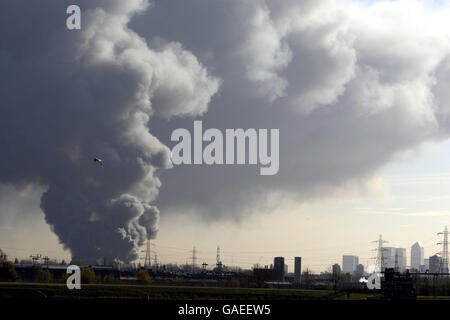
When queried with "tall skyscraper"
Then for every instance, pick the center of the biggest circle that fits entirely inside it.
(417, 256)
(297, 269)
(349, 263)
(336, 269)
(401, 259)
(278, 266)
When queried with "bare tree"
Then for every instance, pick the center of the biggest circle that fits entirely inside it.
(307, 277)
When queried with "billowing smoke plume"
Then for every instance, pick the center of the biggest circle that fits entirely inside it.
(350, 84)
(70, 96)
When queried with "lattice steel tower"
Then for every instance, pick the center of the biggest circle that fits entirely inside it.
(218, 262)
(380, 257)
(147, 262)
(194, 259)
(443, 268)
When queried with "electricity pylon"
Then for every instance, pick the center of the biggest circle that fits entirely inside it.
(147, 262)
(380, 257)
(443, 267)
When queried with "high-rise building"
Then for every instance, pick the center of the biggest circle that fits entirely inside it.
(278, 266)
(359, 272)
(388, 254)
(349, 263)
(401, 259)
(336, 269)
(417, 256)
(297, 269)
(394, 257)
(435, 264)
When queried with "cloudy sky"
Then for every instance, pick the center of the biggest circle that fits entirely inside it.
(358, 90)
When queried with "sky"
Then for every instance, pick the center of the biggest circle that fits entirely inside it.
(357, 89)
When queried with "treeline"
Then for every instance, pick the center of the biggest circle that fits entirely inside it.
(88, 276)
(430, 286)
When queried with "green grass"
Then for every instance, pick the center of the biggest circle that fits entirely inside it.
(354, 296)
(116, 291)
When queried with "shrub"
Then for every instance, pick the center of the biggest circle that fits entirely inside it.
(64, 278)
(44, 276)
(143, 277)
(88, 275)
(109, 278)
(8, 272)
(235, 282)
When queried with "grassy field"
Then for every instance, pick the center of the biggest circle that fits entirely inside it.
(56, 291)
(136, 292)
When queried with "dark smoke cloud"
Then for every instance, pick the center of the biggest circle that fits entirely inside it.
(70, 96)
(351, 86)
